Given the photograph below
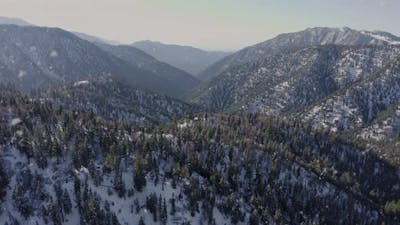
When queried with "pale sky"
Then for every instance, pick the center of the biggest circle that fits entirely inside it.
(208, 24)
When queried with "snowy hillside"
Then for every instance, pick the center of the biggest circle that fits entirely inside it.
(67, 167)
(309, 37)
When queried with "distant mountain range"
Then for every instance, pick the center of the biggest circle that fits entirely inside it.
(33, 57)
(146, 62)
(189, 59)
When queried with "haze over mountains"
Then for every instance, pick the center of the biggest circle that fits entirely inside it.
(34, 57)
(189, 59)
(14, 21)
(300, 129)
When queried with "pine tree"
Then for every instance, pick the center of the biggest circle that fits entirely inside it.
(139, 173)
(3, 181)
(141, 221)
(54, 213)
(164, 214)
(253, 220)
(114, 219)
(173, 207)
(119, 185)
(151, 205)
(93, 211)
(77, 190)
(66, 200)
(159, 207)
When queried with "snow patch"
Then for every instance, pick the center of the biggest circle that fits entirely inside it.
(15, 121)
(32, 48)
(381, 38)
(53, 54)
(22, 73)
(82, 82)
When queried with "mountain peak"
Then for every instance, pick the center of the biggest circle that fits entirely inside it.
(337, 29)
(329, 35)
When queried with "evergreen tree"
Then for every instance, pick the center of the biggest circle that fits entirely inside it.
(119, 185)
(141, 221)
(66, 201)
(55, 214)
(164, 213)
(139, 173)
(173, 207)
(3, 181)
(151, 205)
(253, 220)
(77, 190)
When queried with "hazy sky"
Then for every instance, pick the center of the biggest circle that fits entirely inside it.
(209, 24)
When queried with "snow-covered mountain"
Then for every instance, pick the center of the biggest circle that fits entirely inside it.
(349, 90)
(309, 37)
(341, 81)
(189, 59)
(294, 79)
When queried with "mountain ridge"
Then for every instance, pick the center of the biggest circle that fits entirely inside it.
(304, 38)
(190, 59)
(145, 61)
(14, 21)
(297, 79)
(34, 57)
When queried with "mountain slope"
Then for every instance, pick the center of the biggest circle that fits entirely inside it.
(385, 127)
(146, 62)
(294, 79)
(33, 57)
(361, 103)
(189, 59)
(112, 99)
(66, 167)
(308, 37)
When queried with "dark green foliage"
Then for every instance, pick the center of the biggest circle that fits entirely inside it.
(66, 202)
(119, 184)
(141, 221)
(152, 206)
(139, 173)
(3, 181)
(164, 213)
